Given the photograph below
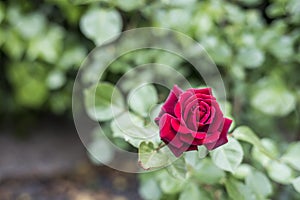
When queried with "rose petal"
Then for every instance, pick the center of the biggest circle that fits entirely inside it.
(184, 98)
(172, 99)
(189, 107)
(217, 119)
(199, 135)
(211, 137)
(167, 133)
(223, 137)
(178, 127)
(201, 91)
(190, 140)
(177, 110)
(204, 118)
(205, 96)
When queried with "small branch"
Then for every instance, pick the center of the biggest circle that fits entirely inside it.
(160, 146)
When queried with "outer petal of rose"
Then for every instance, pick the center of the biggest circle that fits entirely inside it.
(167, 133)
(179, 151)
(177, 110)
(159, 116)
(172, 99)
(211, 137)
(223, 137)
(205, 96)
(189, 139)
(201, 91)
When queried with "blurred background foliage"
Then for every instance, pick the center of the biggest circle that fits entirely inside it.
(255, 44)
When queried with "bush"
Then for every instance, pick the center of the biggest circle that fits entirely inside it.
(255, 44)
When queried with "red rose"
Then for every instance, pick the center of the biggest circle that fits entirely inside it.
(192, 118)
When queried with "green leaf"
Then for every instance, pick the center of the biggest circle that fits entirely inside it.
(280, 172)
(47, 46)
(178, 169)
(32, 25)
(56, 79)
(2, 11)
(242, 171)
(245, 134)
(79, 2)
(208, 173)
(32, 93)
(100, 150)
(292, 155)
(103, 101)
(296, 184)
(202, 151)
(259, 184)
(273, 98)
(170, 185)
(150, 158)
(191, 191)
(270, 146)
(142, 99)
(250, 57)
(99, 24)
(229, 156)
(150, 190)
(130, 5)
(277, 46)
(238, 191)
(131, 128)
(74, 55)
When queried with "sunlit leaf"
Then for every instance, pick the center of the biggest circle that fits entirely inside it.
(103, 101)
(178, 169)
(142, 99)
(292, 155)
(296, 184)
(191, 191)
(229, 156)
(100, 24)
(100, 149)
(244, 133)
(280, 172)
(238, 191)
(283, 101)
(259, 184)
(149, 189)
(150, 158)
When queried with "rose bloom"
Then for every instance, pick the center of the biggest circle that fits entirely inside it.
(191, 118)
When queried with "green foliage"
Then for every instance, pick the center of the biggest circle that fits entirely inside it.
(296, 184)
(254, 43)
(142, 99)
(150, 157)
(103, 101)
(229, 156)
(292, 156)
(100, 24)
(237, 190)
(259, 184)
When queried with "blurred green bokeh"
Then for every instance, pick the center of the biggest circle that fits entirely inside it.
(255, 44)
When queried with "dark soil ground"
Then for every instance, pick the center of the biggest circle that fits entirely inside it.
(51, 164)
